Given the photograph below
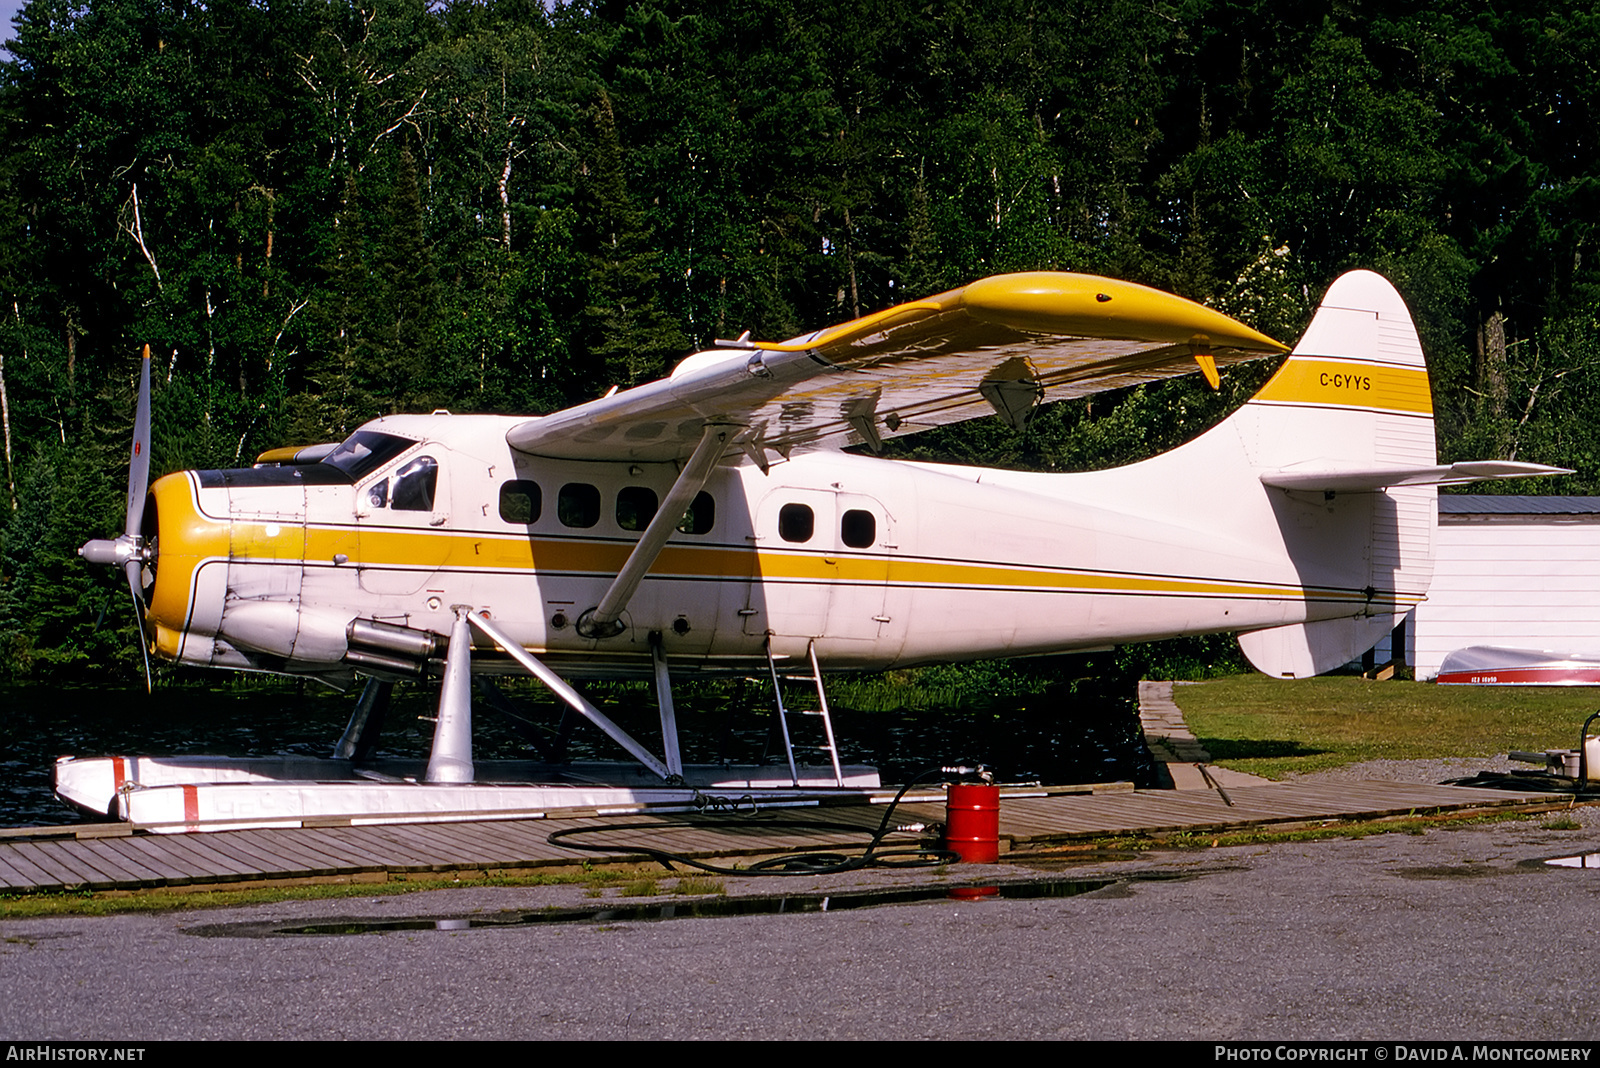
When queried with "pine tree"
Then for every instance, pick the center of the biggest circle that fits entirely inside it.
(630, 339)
(397, 362)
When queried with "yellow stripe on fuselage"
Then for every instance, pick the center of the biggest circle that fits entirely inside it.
(1347, 384)
(470, 551)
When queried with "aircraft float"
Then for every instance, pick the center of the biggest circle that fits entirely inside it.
(714, 522)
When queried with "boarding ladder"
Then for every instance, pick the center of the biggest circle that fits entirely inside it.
(815, 678)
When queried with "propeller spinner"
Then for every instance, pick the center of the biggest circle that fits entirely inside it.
(130, 552)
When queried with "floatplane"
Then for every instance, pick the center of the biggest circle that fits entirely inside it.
(714, 521)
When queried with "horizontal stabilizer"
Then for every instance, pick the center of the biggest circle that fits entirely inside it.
(1345, 479)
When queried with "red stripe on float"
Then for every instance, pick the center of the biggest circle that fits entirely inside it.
(1522, 677)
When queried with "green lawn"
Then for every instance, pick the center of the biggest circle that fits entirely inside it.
(1270, 727)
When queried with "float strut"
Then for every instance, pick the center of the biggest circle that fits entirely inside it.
(361, 736)
(669, 715)
(452, 735)
(559, 687)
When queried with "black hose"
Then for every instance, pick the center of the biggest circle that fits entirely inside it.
(798, 862)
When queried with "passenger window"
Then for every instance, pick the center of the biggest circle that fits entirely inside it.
(796, 523)
(858, 528)
(701, 514)
(578, 505)
(636, 506)
(414, 485)
(520, 501)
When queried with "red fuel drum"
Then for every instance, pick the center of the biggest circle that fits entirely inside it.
(972, 823)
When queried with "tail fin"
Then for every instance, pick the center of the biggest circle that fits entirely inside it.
(1350, 410)
(1353, 395)
(1344, 441)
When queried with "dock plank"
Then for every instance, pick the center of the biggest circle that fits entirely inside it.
(142, 860)
(177, 868)
(278, 856)
(349, 842)
(37, 877)
(440, 841)
(292, 848)
(107, 873)
(246, 862)
(520, 834)
(520, 838)
(406, 852)
(201, 858)
(11, 877)
(507, 851)
(126, 865)
(59, 873)
(456, 840)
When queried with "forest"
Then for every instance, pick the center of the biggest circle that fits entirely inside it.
(319, 211)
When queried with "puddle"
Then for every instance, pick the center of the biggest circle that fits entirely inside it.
(1582, 860)
(1450, 871)
(703, 908)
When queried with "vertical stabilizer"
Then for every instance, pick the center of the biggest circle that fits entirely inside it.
(1352, 396)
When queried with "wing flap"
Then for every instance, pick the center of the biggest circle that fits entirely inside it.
(908, 368)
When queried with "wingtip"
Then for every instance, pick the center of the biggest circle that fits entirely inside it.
(1059, 302)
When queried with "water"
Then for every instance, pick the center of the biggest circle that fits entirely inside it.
(701, 908)
(1582, 860)
(1075, 732)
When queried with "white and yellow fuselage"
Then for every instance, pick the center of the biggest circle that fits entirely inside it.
(879, 563)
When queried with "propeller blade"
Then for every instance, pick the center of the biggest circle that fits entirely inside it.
(132, 569)
(139, 461)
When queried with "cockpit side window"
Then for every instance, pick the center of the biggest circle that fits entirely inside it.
(365, 451)
(414, 485)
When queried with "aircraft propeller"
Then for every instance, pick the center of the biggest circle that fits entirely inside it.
(130, 552)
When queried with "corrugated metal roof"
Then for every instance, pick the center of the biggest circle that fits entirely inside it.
(1515, 504)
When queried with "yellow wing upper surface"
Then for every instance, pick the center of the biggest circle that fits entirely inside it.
(995, 347)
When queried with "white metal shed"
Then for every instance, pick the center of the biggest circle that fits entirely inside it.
(1521, 572)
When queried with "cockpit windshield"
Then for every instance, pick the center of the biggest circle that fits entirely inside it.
(365, 451)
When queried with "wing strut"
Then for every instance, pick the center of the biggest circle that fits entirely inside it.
(604, 619)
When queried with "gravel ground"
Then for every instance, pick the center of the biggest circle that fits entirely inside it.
(1429, 771)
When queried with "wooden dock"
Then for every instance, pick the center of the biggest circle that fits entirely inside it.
(123, 857)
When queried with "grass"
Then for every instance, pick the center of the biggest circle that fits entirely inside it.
(699, 885)
(643, 886)
(1269, 727)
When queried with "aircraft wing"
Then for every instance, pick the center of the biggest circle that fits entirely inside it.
(998, 346)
